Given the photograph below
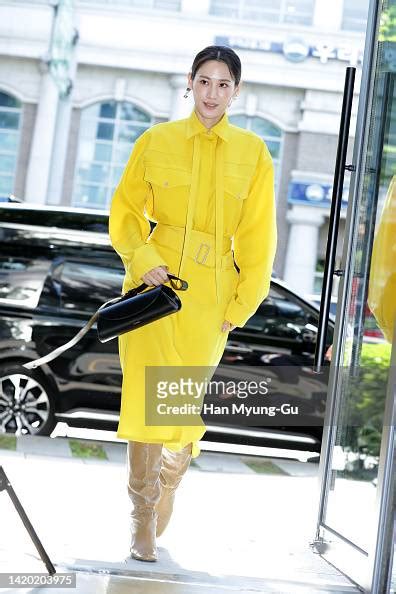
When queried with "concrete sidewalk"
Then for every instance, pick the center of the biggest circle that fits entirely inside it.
(240, 523)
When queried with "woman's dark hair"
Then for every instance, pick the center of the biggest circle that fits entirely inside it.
(221, 53)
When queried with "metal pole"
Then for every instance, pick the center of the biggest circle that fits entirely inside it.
(5, 485)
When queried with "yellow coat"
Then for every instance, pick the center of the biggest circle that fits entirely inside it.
(208, 191)
(382, 287)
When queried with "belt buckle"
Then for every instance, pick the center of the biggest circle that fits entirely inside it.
(199, 251)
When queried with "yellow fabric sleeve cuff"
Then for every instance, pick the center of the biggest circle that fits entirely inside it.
(143, 259)
(237, 314)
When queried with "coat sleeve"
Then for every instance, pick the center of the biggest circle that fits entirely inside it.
(255, 242)
(128, 226)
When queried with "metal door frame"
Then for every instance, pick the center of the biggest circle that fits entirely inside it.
(369, 571)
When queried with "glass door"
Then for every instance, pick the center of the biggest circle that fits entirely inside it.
(357, 466)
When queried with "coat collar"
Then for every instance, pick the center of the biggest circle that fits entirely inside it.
(195, 126)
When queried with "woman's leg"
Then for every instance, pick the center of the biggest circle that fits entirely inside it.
(144, 490)
(174, 466)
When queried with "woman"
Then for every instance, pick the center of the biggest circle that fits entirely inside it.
(205, 183)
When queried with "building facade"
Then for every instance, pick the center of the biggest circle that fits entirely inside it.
(128, 70)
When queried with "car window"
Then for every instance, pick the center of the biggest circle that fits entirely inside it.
(22, 280)
(85, 286)
(283, 315)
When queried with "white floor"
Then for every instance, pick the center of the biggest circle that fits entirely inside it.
(232, 529)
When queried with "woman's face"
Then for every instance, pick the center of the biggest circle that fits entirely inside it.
(213, 87)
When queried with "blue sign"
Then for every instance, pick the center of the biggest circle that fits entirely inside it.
(295, 49)
(314, 194)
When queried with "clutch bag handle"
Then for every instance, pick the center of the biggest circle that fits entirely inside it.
(176, 283)
(179, 285)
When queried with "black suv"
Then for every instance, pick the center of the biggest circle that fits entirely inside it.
(57, 267)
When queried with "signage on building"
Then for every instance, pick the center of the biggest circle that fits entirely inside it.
(295, 49)
(314, 194)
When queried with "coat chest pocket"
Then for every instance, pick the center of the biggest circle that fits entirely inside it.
(170, 191)
(165, 178)
(236, 187)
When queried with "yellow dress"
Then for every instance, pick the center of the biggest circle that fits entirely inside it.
(211, 194)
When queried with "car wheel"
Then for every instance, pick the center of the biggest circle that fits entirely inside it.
(26, 404)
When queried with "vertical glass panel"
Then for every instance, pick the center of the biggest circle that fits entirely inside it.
(364, 373)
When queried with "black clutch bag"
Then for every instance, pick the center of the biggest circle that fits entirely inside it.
(125, 313)
(135, 309)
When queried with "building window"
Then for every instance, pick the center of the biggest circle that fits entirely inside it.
(108, 131)
(354, 16)
(299, 12)
(10, 123)
(271, 134)
(171, 5)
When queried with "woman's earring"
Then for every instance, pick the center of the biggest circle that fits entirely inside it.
(186, 93)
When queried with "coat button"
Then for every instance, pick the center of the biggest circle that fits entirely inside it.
(166, 183)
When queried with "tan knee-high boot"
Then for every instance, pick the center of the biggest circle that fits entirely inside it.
(174, 466)
(144, 490)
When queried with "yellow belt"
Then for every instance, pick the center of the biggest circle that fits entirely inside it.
(219, 197)
(201, 245)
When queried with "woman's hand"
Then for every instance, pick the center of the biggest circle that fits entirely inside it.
(156, 276)
(227, 326)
